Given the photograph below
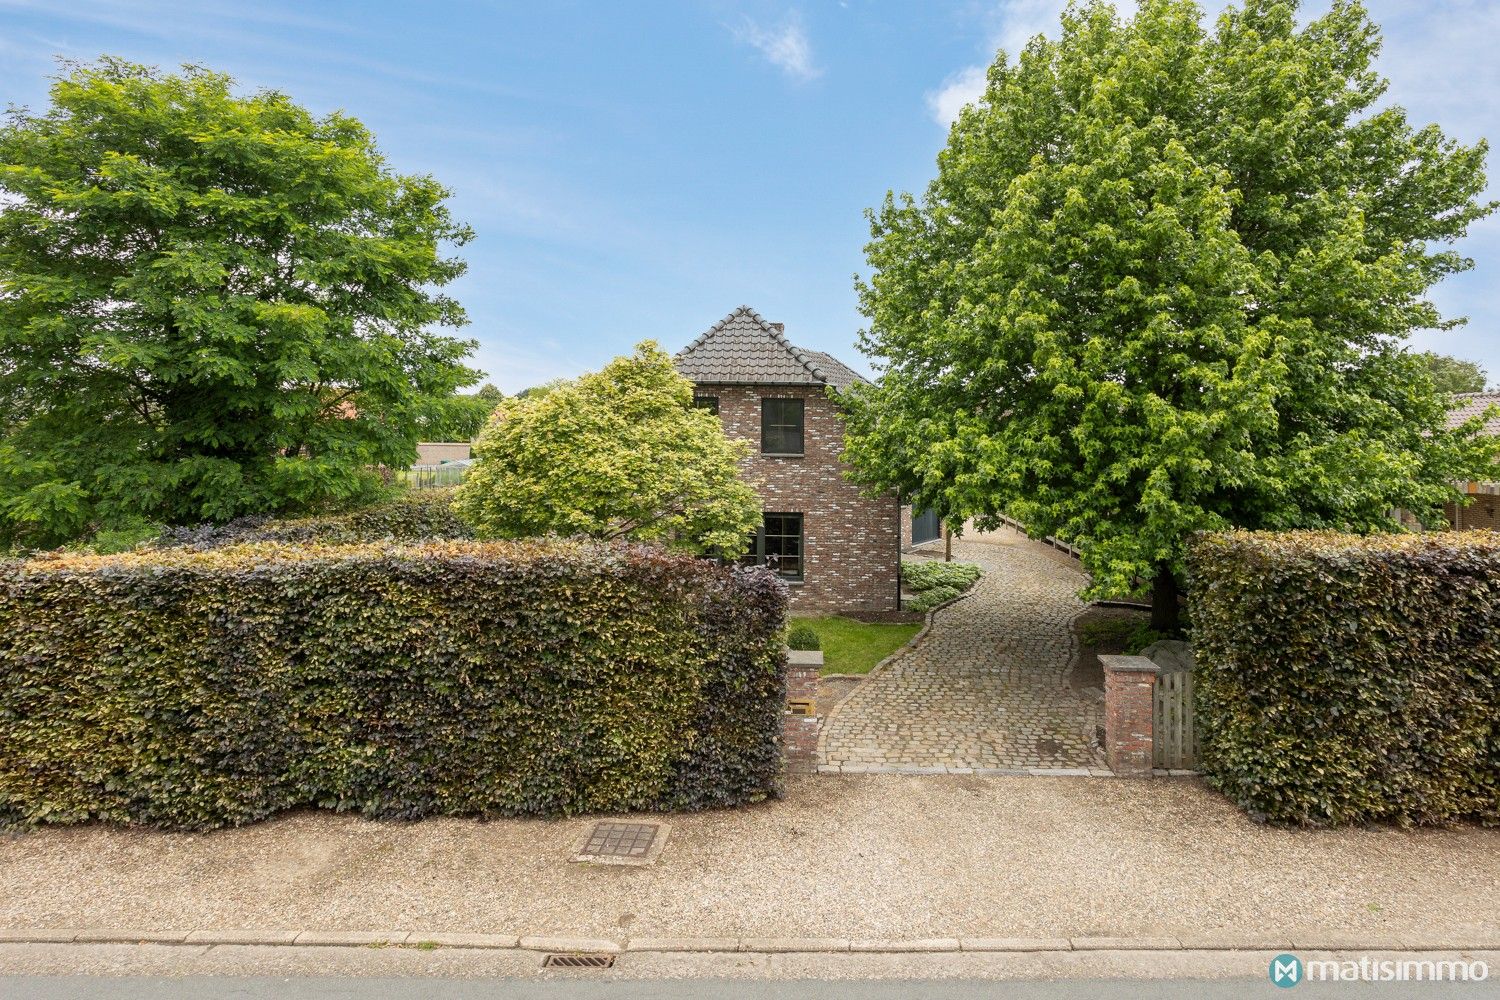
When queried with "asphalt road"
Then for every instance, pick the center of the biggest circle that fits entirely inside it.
(131, 972)
(256, 988)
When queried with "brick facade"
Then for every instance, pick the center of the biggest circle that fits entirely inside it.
(437, 452)
(851, 542)
(1484, 512)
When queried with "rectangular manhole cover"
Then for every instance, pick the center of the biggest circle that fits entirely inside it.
(578, 962)
(615, 843)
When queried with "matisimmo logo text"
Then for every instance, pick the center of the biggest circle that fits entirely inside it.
(1288, 970)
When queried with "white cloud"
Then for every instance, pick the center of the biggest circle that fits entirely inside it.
(786, 47)
(1013, 23)
(1021, 20)
(963, 87)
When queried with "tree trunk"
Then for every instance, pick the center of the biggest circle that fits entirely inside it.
(1166, 610)
(947, 544)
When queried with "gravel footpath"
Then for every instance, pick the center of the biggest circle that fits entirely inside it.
(852, 856)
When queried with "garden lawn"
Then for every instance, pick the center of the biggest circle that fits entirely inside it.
(851, 647)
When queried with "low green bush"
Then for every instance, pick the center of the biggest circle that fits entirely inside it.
(803, 636)
(920, 575)
(108, 541)
(933, 583)
(409, 516)
(1343, 679)
(1129, 635)
(933, 596)
(191, 689)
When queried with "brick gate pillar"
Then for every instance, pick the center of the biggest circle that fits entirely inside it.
(799, 721)
(1129, 702)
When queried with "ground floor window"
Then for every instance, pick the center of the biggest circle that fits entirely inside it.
(778, 544)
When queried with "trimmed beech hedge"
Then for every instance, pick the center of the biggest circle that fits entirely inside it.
(414, 515)
(193, 689)
(1343, 679)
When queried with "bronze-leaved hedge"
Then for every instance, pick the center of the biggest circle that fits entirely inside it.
(196, 688)
(1347, 679)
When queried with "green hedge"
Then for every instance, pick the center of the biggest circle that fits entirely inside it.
(1343, 679)
(192, 689)
(409, 516)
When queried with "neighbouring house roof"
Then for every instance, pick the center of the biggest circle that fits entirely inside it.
(1472, 405)
(743, 349)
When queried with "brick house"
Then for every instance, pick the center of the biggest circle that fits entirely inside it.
(839, 549)
(1484, 511)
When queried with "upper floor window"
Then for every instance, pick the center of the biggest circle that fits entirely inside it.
(781, 426)
(709, 403)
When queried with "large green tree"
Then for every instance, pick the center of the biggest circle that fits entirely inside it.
(1162, 283)
(619, 453)
(210, 304)
(1454, 375)
(460, 417)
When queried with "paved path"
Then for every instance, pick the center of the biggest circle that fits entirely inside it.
(987, 686)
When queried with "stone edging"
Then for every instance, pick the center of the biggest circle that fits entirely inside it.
(426, 941)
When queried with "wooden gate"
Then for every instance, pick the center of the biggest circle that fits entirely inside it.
(1175, 736)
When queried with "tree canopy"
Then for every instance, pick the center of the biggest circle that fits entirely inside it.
(460, 417)
(210, 304)
(1454, 375)
(1162, 282)
(619, 453)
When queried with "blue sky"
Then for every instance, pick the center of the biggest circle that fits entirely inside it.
(638, 169)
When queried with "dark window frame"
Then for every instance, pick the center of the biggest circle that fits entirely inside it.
(760, 553)
(783, 426)
(705, 402)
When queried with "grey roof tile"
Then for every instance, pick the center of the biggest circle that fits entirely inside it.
(742, 348)
(1472, 405)
(839, 375)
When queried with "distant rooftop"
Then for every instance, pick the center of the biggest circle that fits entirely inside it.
(743, 349)
(1471, 405)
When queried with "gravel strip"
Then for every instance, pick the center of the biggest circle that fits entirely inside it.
(868, 857)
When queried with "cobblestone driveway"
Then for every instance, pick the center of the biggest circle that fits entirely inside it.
(987, 687)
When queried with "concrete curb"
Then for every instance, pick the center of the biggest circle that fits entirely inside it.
(1339, 941)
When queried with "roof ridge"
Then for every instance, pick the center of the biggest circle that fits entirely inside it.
(779, 336)
(706, 334)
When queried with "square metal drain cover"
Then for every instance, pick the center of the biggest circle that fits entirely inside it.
(618, 843)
